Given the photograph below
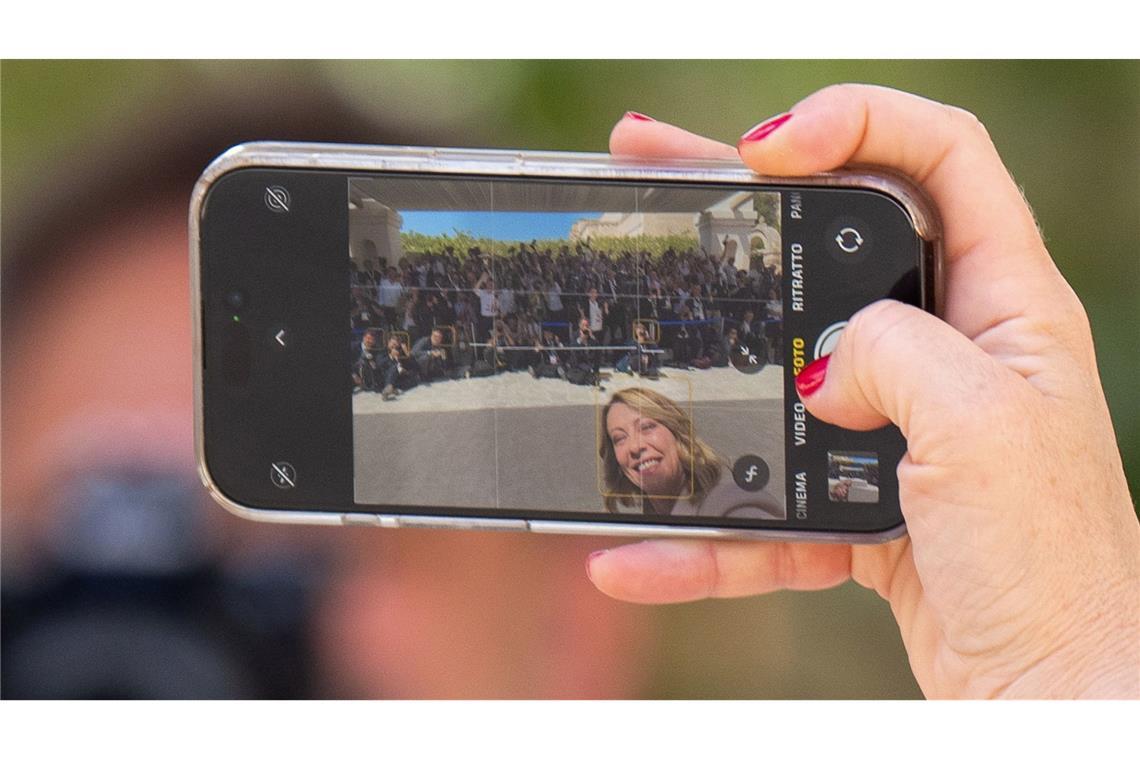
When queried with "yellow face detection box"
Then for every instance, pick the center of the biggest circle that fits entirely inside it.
(648, 403)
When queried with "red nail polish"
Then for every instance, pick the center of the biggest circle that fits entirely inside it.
(811, 377)
(638, 116)
(764, 128)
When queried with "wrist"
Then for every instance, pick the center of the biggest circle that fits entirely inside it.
(1102, 663)
(1100, 674)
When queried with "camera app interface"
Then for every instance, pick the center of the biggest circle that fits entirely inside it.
(567, 347)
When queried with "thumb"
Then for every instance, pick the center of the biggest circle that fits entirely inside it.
(897, 363)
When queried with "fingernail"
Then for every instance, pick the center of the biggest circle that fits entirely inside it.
(638, 116)
(811, 377)
(590, 561)
(764, 128)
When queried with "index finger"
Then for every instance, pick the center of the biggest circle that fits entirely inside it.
(648, 138)
(998, 267)
(944, 149)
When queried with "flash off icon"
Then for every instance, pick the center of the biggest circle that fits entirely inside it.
(283, 475)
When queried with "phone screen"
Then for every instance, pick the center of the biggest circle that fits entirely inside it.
(523, 348)
(584, 348)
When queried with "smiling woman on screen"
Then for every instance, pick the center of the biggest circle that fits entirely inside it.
(652, 459)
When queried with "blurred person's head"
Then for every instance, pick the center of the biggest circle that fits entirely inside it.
(101, 257)
(99, 469)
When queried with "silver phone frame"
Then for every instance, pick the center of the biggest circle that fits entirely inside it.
(547, 165)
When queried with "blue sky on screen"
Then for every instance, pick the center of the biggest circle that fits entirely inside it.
(513, 226)
(856, 457)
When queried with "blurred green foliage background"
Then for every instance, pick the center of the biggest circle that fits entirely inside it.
(1068, 131)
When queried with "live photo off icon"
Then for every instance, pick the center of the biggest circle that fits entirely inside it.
(277, 199)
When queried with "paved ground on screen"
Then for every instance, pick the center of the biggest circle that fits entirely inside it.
(514, 442)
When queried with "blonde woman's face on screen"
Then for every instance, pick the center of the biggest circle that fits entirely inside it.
(646, 451)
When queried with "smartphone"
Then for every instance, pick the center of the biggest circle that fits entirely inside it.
(553, 342)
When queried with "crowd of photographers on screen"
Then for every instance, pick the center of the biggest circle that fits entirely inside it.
(564, 314)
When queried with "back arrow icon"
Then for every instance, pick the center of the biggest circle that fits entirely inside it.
(280, 336)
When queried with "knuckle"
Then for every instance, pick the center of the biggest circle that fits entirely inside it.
(713, 580)
(845, 88)
(868, 326)
(1074, 311)
(967, 122)
(1053, 317)
(1067, 319)
(782, 566)
(843, 92)
(870, 340)
(1069, 322)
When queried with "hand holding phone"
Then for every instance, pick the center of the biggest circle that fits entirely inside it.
(1019, 573)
